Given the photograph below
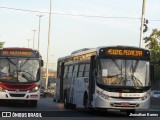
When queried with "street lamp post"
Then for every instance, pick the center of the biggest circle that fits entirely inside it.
(142, 24)
(28, 42)
(34, 37)
(39, 29)
(53, 61)
(49, 30)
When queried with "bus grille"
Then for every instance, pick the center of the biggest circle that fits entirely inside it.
(133, 105)
(126, 97)
(18, 90)
(17, 95)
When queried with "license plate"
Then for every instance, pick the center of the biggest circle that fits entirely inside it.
(124, 104)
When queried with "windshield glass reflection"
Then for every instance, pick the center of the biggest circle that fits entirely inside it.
(119, 72)
(19, 70)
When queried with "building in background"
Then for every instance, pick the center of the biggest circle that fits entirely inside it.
(52, 74)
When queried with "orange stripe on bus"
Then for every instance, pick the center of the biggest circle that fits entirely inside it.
(120, 94)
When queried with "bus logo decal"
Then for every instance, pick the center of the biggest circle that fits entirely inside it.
(17, 90)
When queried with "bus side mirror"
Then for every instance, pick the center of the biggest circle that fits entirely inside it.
(42, 63)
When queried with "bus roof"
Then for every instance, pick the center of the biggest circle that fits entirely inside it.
(91, 50)
(16, 48)
(76, 53)
(19, 52)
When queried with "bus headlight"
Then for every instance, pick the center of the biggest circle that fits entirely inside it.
(34, 89)
(144, 98)
(2, 89)
(102, 95)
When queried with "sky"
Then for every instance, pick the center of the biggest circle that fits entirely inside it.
(75, 24)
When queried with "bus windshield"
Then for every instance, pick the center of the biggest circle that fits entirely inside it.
(123, 72)
(19, 70)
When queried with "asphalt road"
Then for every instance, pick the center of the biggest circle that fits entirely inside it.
(47, 109)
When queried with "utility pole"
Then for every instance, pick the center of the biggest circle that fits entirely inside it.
(33, 37)
(28, 42)
(142, 24)
(49, 30)
(39, 29)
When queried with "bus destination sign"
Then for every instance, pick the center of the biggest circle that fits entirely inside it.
(124, 52)
(17, 53)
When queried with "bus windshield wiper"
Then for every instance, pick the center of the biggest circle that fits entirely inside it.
(136, 81)
(11, 61)
(24, 63)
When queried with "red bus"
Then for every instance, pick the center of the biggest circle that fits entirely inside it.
(20, 70)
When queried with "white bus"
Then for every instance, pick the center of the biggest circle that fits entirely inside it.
(20, 75)
(115, 77)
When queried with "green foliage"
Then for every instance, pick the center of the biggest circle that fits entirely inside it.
(1, 44)
(156, 72)
(152, 43)
(155, 57)
(153, 40)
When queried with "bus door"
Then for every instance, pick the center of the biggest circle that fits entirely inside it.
(92, 78)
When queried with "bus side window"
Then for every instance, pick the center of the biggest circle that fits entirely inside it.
(65, 72)
(59, 71)
(70, 71)
(75, 71)
(81, 70)
(86, 72)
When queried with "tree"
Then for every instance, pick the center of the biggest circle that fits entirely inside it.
(153, 40)
(152, 43)
(1, 44)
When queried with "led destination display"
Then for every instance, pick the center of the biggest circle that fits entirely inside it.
(124, 52)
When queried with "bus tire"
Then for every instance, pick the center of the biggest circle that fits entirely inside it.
(85, 100)
(66, 105)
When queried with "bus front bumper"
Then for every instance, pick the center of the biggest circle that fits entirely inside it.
(20, 95)
(122, 104)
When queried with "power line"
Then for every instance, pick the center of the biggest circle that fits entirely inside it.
(95, 16)
(154, 20)
(68, 14)
(24, 10)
